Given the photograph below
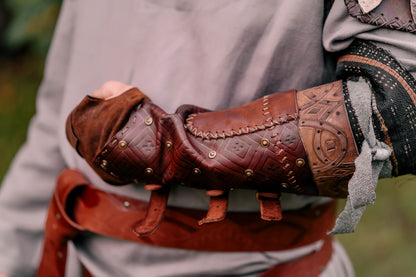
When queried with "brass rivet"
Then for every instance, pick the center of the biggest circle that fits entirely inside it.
(285, 185)
(265, 143)
(148, 171)
(126, 204)
(148, 121)
(169, 145)
(212, 154)
(248, 172)
(122, 144)
(196, 171)
(58, 216)
(59, 254)
(104, 163)
(300, 162)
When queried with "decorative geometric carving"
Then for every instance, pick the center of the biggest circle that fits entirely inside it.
(327, 136)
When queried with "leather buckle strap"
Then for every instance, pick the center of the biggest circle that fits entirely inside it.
(311, 265)
(84, 207)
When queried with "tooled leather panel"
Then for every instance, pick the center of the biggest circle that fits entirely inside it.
(248, 118)
(243, 162)
(393, 14)
(327, 136)
(265, 158)
(272, 159)
(134, 152)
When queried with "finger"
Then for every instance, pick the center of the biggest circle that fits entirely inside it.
(111, 89)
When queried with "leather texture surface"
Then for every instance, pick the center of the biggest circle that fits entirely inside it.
(78, 206)
(95, 120)
(254, 146)
(392, 14)
(326, 133)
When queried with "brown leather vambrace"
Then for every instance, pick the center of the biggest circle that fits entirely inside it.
(295, 142)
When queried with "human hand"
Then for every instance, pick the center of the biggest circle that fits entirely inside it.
(3, 275)
(110, 89)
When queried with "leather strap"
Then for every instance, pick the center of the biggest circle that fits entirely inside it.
(310, 265)
(78, 206)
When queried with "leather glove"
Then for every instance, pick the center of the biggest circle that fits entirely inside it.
(259, 146)
(302, 142)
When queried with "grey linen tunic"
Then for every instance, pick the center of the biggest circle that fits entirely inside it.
(216, 54)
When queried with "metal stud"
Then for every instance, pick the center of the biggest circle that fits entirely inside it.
(122, 144)
(196, 171)
(58, 216)
(248, 172)
(264, 143)
(169, 145)
(126, 204)
(104, 163)
(149, 171)
(212, 154)
(300, 162)
(59, 254)
(148, 121)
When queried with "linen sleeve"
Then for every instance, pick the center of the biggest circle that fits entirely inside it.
(368, 99)
(29, 183)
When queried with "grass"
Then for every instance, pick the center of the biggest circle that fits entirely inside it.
(383, 245)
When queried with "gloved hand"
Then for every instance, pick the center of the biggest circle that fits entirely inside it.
(257, 146)
(302, 142)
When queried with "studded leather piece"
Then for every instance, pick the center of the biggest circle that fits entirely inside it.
(255, 146)
(94, 121)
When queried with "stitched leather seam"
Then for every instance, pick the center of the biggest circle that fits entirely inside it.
(268, 123)
(379, 19)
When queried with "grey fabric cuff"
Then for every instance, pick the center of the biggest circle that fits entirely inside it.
(374, 158)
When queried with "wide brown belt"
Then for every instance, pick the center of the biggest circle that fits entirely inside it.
(77, 206)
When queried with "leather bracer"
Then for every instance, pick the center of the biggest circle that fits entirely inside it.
(296, 142)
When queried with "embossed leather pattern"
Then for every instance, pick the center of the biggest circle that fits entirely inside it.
(254, 146)
(265, 145)
(327, 136)
(392, 14)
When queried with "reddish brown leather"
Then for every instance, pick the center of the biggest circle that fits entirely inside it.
(213, 161)
(263, 113)
(255, 146)
(83, 207)
(59, 227)
(270, 208)
(94, 121)
(217, 209)
(393, 14)
(154, 214)
(311, 265)
(326, 133)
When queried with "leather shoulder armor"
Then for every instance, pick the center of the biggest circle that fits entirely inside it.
(393, 14)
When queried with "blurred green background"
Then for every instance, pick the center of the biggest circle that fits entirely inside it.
(384, 243)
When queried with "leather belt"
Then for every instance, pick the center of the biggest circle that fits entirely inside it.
(77, 206)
